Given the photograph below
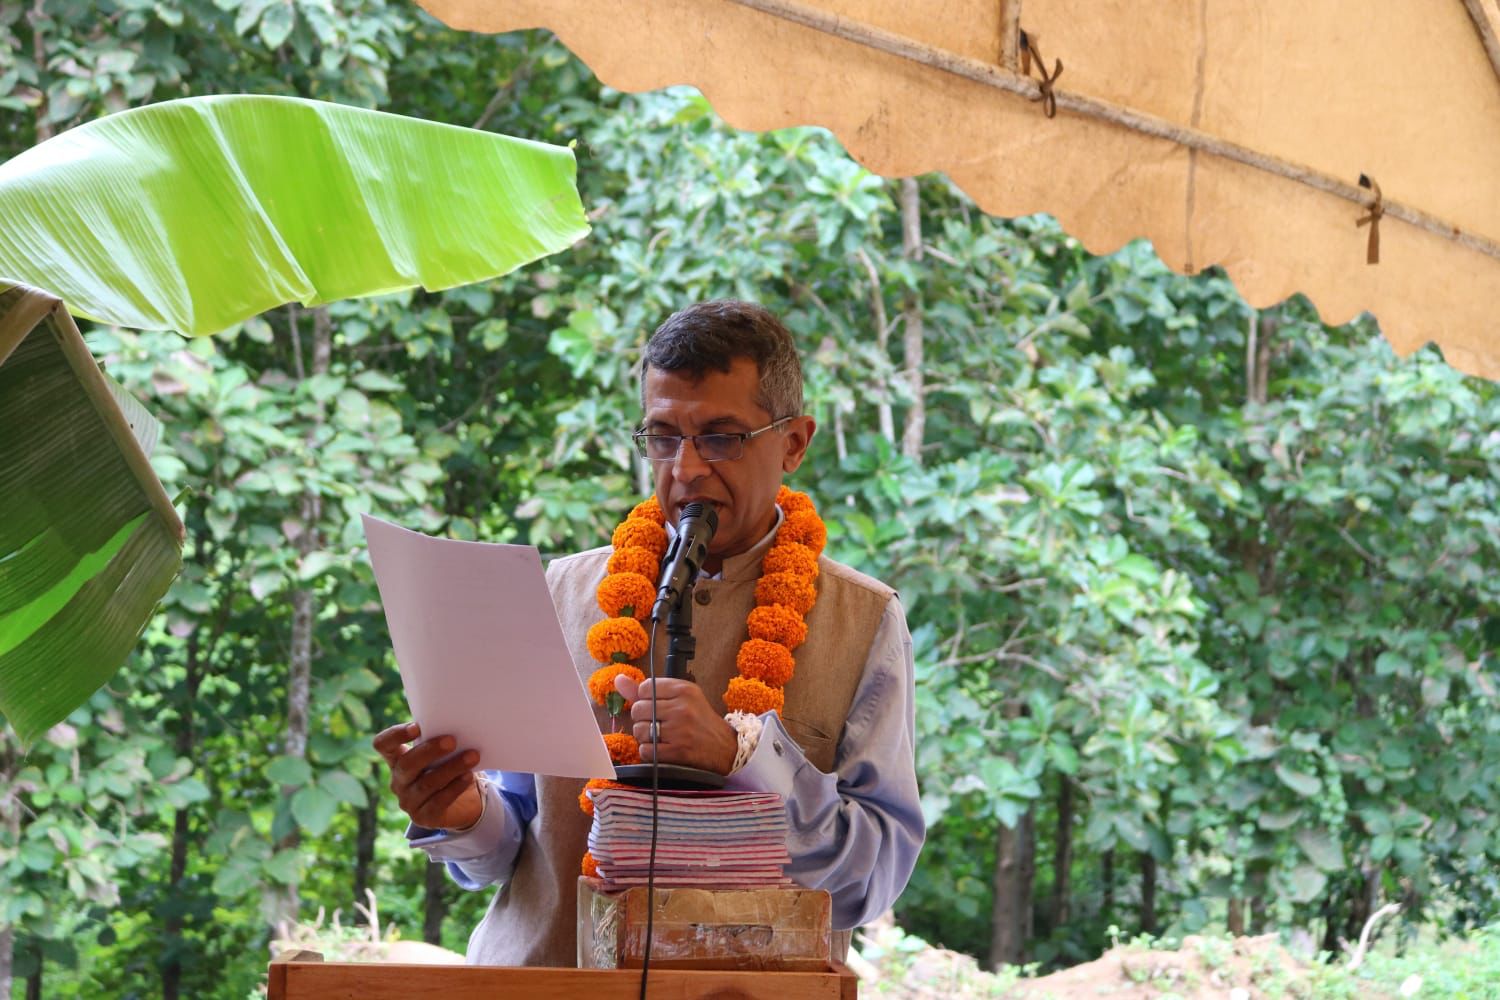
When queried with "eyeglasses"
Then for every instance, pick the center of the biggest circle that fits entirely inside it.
(711, 447)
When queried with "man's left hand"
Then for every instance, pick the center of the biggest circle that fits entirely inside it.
(690, 732)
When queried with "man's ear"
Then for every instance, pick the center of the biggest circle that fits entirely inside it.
(797, 436)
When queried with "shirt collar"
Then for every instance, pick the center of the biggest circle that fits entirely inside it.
(746, 565)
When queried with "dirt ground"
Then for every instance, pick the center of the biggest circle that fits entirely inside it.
(1250, 968)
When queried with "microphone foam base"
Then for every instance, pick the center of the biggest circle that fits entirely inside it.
(671, 776)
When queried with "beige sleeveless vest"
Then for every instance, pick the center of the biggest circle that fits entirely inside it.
(532, 919)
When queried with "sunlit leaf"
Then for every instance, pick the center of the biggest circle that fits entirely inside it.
(197, 214)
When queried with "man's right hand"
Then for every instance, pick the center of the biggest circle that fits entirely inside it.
(445, 797)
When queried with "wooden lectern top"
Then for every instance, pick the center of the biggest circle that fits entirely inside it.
(304, 976)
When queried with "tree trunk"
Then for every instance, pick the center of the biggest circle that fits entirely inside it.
(911, 249)
(1108, 876)
(883, 415)
(285, 901)
(1331, 921)
(1236, 916)
(1259, 345)
(7, 952)
(1015, 874)
(10, 823)
(1148, 892)
(1062, 854)
(1257, 914)
(10, 806)
(171, 970)
(44, 129)
(1362, 899)
(435, 904)
(34, 981)
(364, 844)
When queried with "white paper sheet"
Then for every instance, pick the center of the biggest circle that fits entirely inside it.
(481, 653)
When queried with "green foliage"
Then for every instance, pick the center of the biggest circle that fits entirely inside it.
(239, 227)
(1254, 636)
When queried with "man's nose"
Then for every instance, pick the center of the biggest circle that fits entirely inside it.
(688, 466)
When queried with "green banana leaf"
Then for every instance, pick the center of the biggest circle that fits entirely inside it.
(89, 541)
(195, 215)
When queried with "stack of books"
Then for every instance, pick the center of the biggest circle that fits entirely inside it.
(704, 838)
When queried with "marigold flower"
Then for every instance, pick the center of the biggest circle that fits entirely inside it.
(650, 510)
(753, 696)
(602, 681)
(791, 501)
(764, 661)
(790, 589)
(590, 867)
(791, 557)
(634, 559)
(623, 749)
(617, 640)
(778, 623)
(585, 801)
(626, 595)
(642, 533)
(805, 528)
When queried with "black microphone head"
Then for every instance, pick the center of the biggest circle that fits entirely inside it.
(696, 510)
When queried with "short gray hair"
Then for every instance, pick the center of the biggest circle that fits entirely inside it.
(711, 335)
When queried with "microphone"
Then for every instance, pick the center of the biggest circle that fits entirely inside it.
(695, 529)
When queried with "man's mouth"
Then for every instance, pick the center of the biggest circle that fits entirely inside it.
(715, 504)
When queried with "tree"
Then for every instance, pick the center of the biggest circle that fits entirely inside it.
(1146, 648)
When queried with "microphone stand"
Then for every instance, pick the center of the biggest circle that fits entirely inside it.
(681, 647)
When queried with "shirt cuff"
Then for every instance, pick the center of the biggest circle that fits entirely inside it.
(472, 842)
(774, 765)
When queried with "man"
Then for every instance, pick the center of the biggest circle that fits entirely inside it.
(721, 394)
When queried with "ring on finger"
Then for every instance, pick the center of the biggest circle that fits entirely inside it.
(654, 732)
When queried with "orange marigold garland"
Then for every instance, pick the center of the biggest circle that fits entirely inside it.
(792, 502)
(602, 682)
(623, 748)
(634, 560)
(768, 662)
(586, 801)
(755, 697)
(778, 623)
(626, 595)
(637, 532)
(617, 640)
(785, 593)
(793, 590)
(650, 510)
(804, 527)
(791, 557)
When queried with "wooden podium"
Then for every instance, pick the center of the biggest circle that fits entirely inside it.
(304, 976)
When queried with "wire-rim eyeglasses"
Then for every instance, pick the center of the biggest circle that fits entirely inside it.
(718, 447)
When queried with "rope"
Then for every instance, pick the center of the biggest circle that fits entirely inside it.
(1047, 97)
(1372, 219)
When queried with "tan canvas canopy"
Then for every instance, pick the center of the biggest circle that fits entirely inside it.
(1228, 132)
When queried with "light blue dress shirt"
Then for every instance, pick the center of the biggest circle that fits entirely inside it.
(855, 832)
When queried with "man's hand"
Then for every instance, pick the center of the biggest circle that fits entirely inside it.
(441, 797)
(691, 733)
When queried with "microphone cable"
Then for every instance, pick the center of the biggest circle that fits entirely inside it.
(655, 730)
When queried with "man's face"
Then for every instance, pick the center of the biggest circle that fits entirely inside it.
(742, 491)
